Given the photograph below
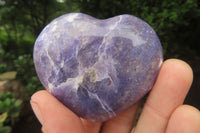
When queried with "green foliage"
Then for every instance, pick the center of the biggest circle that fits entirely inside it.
(26, 72)
(4, 129)
(24, 67)
(33, 15)
(9, 109)
(32, 86)
(11, 105)
(176, 22)
(20, 22)
(3, 66)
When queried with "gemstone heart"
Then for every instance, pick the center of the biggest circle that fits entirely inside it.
(97, 68)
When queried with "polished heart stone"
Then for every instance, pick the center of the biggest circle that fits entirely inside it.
(97, 68)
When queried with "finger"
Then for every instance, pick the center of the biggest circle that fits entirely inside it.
(123, 123)
(54, 116)
(91, 127)
(185, 119)
(169, 91)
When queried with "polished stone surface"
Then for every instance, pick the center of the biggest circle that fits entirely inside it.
(97, 68)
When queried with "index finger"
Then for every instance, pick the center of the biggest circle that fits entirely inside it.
(169, 91)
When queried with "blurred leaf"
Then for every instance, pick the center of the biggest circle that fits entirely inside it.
(3, 117)
(18, 103)
(11, 105)
(8, 75)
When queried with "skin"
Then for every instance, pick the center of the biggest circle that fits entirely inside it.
(163, 111)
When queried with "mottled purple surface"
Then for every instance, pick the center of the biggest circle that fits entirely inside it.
(97, 68)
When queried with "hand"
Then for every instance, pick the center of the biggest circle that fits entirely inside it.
(163, 111)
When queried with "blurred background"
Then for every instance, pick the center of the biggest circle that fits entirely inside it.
(176, 22)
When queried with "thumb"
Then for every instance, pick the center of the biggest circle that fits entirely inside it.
(53, 115)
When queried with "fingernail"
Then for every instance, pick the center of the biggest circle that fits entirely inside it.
(37, 111)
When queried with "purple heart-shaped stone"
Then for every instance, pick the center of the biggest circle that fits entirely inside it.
(97, 68)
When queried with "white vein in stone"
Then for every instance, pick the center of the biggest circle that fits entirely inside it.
(104, 105)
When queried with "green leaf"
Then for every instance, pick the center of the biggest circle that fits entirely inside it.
(173, 16)
(7, 101)
(3, 117)
(18, 103)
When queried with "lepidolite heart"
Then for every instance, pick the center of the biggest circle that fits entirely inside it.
(97, 68)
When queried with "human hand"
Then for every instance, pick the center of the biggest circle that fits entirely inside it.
(163, 111)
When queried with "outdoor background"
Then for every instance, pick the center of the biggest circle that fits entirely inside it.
(176, 22)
